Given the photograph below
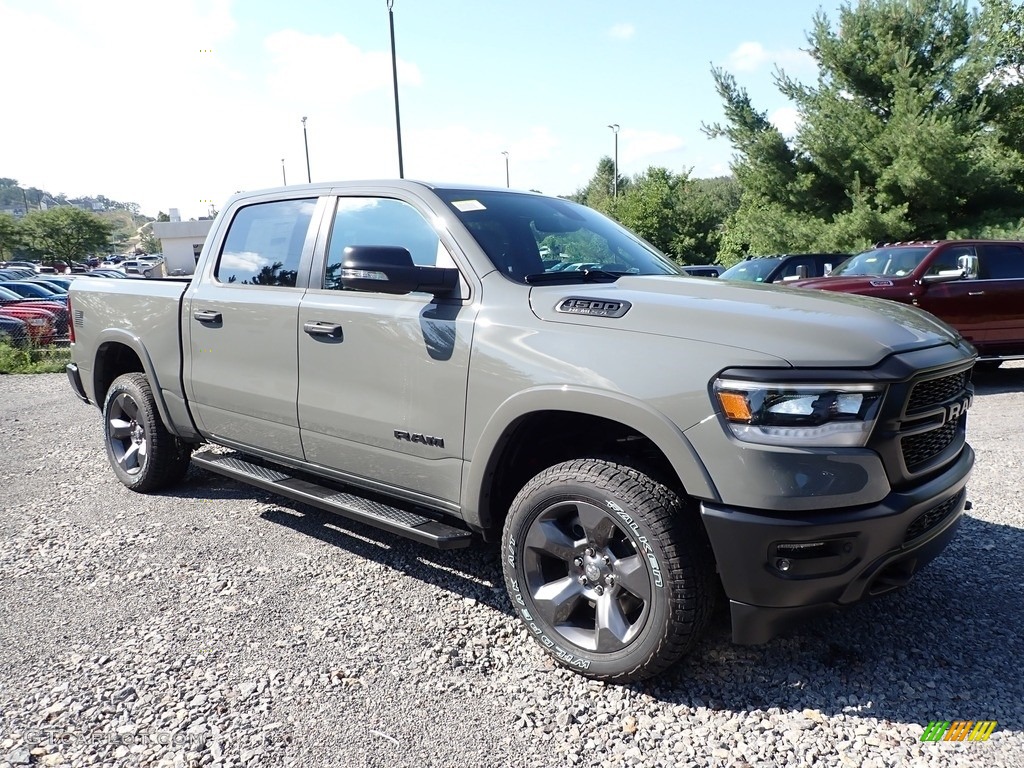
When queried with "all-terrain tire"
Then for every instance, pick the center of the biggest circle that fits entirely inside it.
(145, 457)
(608, 568)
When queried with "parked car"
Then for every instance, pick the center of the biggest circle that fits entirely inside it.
(40, 320)
(783, 268)
(977, 286)
(13, 331)
(703, 270)
(54, 307)
(103, 272)
(31, 265)
(17, 273)
(29, 289)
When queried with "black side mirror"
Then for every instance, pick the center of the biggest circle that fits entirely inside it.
(390, 269)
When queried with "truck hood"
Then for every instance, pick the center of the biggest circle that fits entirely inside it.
(803, 328)
(854, 284)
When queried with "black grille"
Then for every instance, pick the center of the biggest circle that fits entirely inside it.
(928, 520)
(920, 449)
(935, 391)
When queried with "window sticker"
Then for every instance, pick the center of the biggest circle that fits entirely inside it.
(469, 205)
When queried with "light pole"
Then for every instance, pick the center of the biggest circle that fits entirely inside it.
(506, 169)
(305, 140)
(284, 179)
(615, 177)
(394, 73)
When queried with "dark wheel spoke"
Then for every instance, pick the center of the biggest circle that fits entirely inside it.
(556, 600)
(129, 460)
(120, 429)
(632, 576)
(545, 536)
(612, 625)
(127, 406)
(598, 525)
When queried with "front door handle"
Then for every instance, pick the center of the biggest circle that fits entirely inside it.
(975, 293)
(207, 316)
(331, 330)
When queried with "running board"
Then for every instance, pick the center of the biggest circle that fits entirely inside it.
(276, 480)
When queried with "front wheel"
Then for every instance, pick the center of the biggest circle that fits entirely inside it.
(143, 454)
(607, 569)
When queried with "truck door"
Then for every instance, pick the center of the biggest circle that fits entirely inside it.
(957, 302)
(241, 323)
(1000, 295)
(382, 378)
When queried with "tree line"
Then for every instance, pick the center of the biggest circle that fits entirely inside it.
(913, 129)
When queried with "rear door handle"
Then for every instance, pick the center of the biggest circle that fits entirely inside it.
(207, 316)
(975, 293)
(331, 330)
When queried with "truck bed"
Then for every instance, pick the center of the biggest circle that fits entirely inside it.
(128, 311)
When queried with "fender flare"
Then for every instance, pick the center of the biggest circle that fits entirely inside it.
(633, 413)
(134, 343)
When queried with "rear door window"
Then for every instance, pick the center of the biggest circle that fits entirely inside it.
(264, 244)
(1002, 262)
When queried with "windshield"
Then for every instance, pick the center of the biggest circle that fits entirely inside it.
(528, 235)
(888, 262)
(754, 270)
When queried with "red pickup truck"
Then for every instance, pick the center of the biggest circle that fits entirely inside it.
(977, 286)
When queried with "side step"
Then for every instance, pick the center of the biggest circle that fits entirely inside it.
(276, 480)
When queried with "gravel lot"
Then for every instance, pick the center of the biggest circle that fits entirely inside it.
(218, 625)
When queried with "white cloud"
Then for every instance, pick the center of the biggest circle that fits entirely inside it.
(751, 56)
(787, 120)
(622, 31)
(635, 146)
(295, 56)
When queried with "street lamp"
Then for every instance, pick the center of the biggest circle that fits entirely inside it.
(284, 179)
(615, 177)
(394, 74)
(506, 169)
(305, 140)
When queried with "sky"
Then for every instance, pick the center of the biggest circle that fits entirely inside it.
(181, 104)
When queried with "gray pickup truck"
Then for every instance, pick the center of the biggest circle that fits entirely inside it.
(640, 441)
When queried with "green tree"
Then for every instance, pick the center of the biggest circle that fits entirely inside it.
(66, 232)
(10, 235)
(149, 243)
(901, 136)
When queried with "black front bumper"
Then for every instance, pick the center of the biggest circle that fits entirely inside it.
(777, 568)
(75, 378)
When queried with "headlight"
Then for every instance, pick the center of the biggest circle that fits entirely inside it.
(808, 415)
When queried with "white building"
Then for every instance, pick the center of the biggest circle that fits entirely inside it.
(181, 242)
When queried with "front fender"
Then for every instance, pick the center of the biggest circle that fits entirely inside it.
(632, 413)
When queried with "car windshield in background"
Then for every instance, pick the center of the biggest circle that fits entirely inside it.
(883, 262)
(529, 235)
(755, 270)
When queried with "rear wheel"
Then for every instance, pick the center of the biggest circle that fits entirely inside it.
(143, 454)
(607, 569)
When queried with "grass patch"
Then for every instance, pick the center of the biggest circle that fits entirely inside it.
(33, 359)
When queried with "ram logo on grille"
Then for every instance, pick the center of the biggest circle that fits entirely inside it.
(956, 410)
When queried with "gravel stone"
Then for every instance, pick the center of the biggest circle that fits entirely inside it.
(216, 625)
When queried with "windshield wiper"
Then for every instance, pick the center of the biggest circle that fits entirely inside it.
(582, 276)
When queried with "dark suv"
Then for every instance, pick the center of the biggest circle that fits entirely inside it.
(784, 267)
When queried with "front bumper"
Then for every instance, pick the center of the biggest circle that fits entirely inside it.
(779, 567)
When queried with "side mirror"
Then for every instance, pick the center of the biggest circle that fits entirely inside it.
(969, 265)
(390, 269)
